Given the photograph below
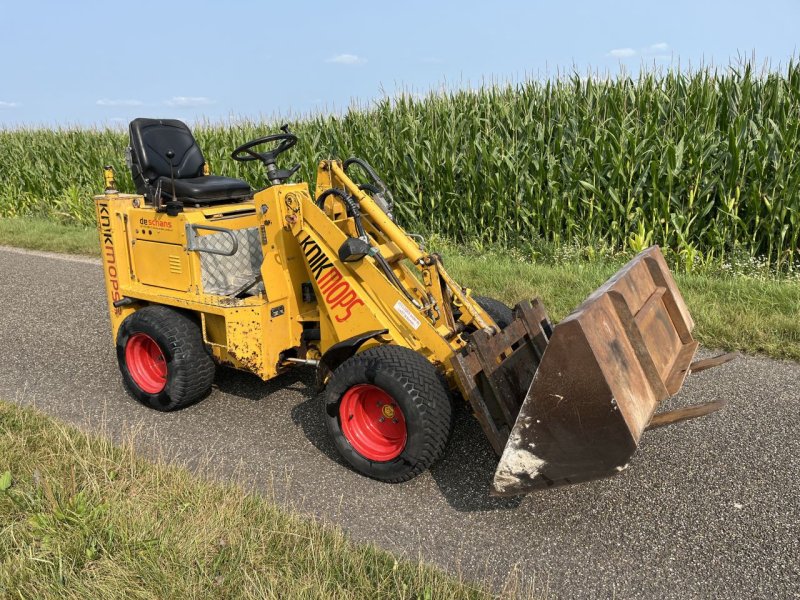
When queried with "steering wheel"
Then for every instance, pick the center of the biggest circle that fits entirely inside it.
(286, 140)
(245, 152)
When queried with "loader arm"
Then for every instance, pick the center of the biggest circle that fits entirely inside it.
(358, 296)
(440, 289)
(397, 287)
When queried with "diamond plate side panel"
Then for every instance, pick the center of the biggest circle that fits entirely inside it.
(223, 275)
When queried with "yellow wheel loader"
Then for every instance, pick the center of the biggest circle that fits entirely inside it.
(203, 270)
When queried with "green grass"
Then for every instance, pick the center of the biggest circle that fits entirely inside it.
(704, 163)
(82, 518)
(45, 234)
(756, 314)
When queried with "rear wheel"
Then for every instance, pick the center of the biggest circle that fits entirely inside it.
(388, 412)
(162, 358)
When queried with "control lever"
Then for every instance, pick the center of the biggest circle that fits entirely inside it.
(281, 175)
(173, 207)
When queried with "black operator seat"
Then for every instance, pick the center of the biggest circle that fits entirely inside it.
(152, 140)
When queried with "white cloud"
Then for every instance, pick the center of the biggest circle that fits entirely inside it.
(188, 101)
(346, 59)
(659, 47)
(118, 102)
(621, 53)
(8, 104)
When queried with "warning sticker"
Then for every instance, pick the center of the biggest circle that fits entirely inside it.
(406, 313)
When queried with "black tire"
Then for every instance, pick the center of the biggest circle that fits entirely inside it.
(499, 311)
(189, 367)
(416, 387)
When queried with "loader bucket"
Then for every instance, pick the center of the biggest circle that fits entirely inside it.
(590, 385)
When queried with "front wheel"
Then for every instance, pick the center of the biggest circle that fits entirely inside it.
(388, 412)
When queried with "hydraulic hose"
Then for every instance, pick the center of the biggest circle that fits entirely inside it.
(379, 184)
(351, 204)
(355, 212)
(387, 270)
(368, 187)
(354, 160)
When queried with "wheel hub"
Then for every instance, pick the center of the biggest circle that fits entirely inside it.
(372, 422)
(146, 363)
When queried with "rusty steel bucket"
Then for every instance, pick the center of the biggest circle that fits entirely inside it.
(569, 403)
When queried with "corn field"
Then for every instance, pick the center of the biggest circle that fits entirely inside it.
(706, 163)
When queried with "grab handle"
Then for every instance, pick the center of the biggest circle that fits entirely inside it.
(193, 240)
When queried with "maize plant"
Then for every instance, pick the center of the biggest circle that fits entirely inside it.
(706, 163)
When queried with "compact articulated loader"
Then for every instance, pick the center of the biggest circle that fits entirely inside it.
(200, 269)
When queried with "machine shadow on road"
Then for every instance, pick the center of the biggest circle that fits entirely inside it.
(249, 386)
(463, 475)
(465, 472)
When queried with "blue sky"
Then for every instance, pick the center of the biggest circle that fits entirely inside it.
(88, 63)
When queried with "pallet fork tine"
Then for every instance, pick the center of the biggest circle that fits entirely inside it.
(686, 413)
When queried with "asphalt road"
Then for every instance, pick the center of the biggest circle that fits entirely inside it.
(708, 508)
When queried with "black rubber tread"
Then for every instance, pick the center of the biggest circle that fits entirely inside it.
(499, 311)
(190, 368)
(416, 385)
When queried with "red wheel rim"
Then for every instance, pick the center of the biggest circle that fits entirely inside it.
(372, 422)
(146, 363)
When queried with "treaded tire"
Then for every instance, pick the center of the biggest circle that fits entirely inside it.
(419, 391)
(499, 311)
(189, 367)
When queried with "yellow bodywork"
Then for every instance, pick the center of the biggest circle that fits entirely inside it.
(149, 259)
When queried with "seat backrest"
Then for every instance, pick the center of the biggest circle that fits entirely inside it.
(151, 139)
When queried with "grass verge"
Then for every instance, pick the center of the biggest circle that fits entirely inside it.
(751, 314)
(82, 518)
(42, 234)
(732, 313)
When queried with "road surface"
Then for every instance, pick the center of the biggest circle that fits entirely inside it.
(708, 508)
